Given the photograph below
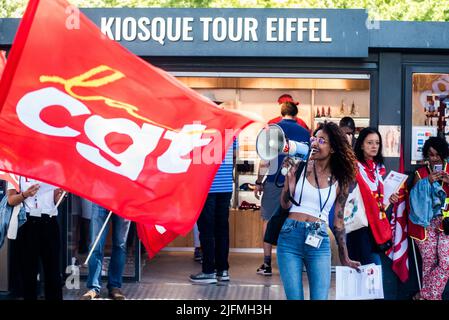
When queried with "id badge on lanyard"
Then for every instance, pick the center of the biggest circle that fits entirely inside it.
(313, 239)
(35, 211)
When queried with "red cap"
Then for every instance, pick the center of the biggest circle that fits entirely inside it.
(286, 98)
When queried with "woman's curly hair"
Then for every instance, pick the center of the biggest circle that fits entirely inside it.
(439, 145)
(343, 160)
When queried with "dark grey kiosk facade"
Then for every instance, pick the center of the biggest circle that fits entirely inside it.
(336, 63)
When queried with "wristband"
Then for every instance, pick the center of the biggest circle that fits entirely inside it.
(258, 183)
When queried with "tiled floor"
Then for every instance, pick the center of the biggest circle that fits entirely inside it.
(166, 277)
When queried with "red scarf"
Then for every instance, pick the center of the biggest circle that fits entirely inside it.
(372, 173)
(369, 179)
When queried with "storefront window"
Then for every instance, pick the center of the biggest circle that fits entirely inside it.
(320, 98)
(430, 108)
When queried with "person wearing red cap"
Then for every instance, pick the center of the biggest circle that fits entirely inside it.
(288, 98)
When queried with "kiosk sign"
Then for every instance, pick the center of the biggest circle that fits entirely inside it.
(236, 32)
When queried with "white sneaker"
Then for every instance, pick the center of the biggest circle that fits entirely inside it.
(223, 275)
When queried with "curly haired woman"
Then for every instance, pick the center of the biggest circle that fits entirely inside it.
(303, 239)
(431, 183)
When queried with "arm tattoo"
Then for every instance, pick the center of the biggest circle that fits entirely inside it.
(341, 201)
(340, 236)
(339, 225)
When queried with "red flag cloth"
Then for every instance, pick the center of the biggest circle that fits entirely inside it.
(379, 226)
(12, 178)
(398, 222)
(2, 61)
(6, 176)
(154, 237)
(81, 112)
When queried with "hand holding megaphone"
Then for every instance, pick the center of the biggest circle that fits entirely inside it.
(272, 142)
(289, 165)
(293, 162)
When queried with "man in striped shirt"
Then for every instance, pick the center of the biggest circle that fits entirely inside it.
(213, 223)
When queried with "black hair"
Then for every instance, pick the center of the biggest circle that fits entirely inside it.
(439, 144)
(358, 145)
(347, 122)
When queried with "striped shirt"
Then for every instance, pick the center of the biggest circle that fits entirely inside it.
(223, 181)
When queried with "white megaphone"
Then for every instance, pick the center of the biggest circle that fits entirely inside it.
(272, 142)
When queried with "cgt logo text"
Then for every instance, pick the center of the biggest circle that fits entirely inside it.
(144, 138)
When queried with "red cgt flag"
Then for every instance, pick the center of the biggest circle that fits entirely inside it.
(157, 237)
(398, 253)
(6, 176)
(399, 220)
(2, 61)
(81, 112)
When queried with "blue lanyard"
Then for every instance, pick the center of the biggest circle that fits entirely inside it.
(319, 193)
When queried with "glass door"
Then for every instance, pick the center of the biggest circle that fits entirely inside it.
(426, 109)
(77, 239)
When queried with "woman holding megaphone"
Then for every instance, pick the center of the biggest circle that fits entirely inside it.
(303, 239)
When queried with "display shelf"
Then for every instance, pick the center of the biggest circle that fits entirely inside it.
(359, 122)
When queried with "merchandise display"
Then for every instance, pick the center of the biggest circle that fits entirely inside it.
(248, 206)
(247, 187)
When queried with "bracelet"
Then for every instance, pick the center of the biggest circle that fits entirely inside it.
(23, 196)
(258, 183)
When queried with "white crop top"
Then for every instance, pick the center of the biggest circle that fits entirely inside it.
(310, 201)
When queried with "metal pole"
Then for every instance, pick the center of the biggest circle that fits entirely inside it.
(416, 264)
(98, 237)
(60, 199)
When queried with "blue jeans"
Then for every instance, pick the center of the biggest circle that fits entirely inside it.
(293, 253)
(120, 230)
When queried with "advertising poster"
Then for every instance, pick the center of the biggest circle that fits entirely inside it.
(419, 136)
(391, 137)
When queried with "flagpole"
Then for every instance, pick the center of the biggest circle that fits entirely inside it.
(416, 264)
(60, 199)
(98, 237)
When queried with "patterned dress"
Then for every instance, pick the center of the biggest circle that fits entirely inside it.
(433, 246)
